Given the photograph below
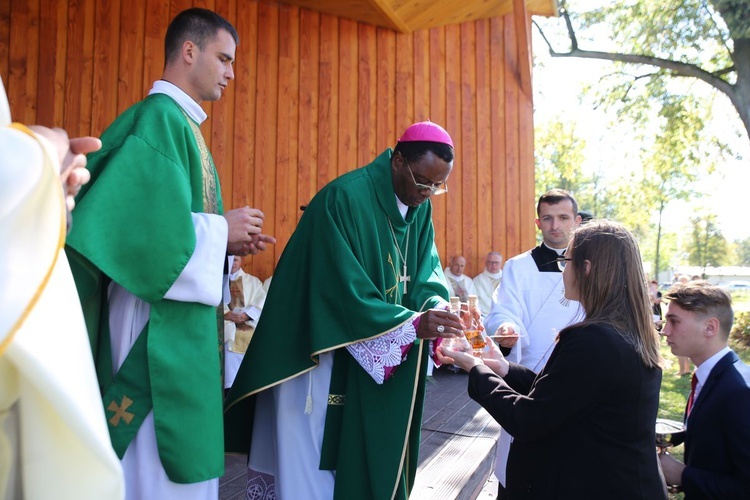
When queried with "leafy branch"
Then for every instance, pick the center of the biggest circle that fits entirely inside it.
(735, 92)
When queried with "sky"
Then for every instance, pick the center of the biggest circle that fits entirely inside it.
(558, 83)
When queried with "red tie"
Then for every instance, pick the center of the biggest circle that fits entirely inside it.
(691, 397)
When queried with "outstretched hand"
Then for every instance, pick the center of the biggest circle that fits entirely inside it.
(492, 357)
(464, 360)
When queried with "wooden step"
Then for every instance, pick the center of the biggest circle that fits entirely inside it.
(459, 439)
(457, 447)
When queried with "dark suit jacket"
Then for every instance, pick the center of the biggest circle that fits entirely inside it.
(584, 428)
(717, 439)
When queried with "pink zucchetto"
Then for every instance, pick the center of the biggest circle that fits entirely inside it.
(426, 131)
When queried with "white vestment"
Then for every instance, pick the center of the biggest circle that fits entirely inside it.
(533, 303)
(201, 281)
(54, 441)
(254, 298)
(485, 284)
(459, 286)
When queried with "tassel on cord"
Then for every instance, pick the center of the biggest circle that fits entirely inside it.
(308, 401)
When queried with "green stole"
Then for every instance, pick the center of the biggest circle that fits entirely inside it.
(372, 439)
(133, 226)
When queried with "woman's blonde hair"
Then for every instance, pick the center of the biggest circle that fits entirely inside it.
(614, 291)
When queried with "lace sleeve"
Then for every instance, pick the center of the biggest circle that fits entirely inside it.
(380, 356)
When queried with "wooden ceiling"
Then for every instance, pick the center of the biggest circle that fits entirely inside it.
(411, 15)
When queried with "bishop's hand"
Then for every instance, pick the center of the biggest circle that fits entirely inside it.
(435, 323)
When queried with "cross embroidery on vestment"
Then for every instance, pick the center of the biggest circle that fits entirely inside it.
(120, 413)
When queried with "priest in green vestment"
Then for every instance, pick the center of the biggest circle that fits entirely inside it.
(328, 400)
(148, 251)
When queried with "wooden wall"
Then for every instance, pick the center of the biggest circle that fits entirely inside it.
(314, 96)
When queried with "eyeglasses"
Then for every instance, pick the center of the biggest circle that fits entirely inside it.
(436, 189)
(562, 262)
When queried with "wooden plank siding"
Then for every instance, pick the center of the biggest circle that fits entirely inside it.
(315, 96)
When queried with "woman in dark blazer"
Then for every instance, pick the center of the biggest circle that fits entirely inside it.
(584, 427)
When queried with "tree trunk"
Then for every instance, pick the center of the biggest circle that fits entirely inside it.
(658, 242)
(742, 87)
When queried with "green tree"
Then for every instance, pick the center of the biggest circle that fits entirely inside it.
(707, 246)
(673, 159)
(559, 156)
(742, 252)
(668, 161)
(651, 41)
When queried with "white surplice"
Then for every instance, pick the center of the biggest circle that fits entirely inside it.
(453, 282)
(254, 297)
(485, 284)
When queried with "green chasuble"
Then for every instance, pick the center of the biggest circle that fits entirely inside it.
(133, 226)
(336, 284)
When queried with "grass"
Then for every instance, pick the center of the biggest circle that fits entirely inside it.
(741, 302)
(675, 389)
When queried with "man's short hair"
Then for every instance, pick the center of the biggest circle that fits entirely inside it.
(414, 150)
(555, 196)
(705, 300)
(200, 26)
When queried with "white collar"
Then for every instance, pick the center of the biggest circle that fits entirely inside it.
(401, 207)
(704, 370)
(494, 276)
(192, 108)
(559, 251)
(238, 274)
(447, 272)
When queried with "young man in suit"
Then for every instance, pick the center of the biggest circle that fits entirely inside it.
(717, 438)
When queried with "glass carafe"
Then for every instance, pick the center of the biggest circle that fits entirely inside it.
(459, 342)
(474, 328)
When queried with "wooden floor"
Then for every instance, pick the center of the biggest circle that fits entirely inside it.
(457, 448)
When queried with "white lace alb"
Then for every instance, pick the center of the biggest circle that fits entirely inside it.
(377, 354)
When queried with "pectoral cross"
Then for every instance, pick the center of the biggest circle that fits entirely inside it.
(404, 278)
